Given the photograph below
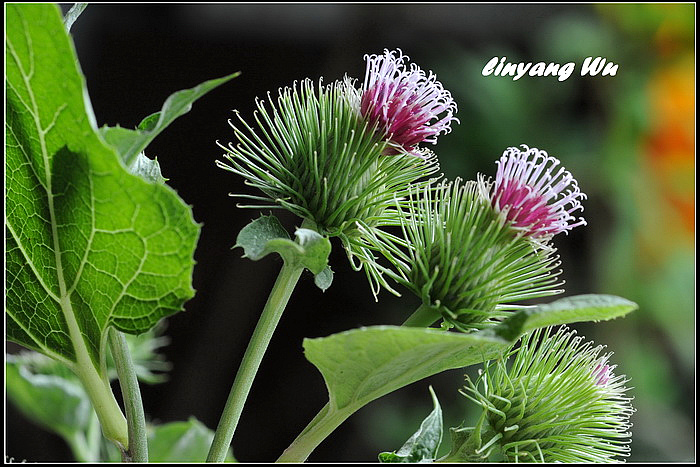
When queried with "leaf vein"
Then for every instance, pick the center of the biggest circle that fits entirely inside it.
(31, 263)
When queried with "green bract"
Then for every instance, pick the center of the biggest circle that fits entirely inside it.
(557, 402)
(266, 235)
(461, 258)
(314, 155)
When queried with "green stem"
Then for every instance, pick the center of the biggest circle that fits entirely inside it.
(135, 418)
(327, 420)
(423, 317)
(276, 303)
(112, 421)
(96, 384)
(320, 427)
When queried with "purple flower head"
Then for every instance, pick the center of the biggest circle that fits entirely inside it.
(535, 194)
(406, 104)
(601, 373)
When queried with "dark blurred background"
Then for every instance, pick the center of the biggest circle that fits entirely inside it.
(628, 139)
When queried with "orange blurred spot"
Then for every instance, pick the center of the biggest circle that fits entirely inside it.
(670, 145)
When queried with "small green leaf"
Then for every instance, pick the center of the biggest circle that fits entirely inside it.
(181, 442)
(324, 279)
(566, 310)
(254, 237)
(266, 235)
(129, 143)
(424, 444)
(391, 458)
(149, 123)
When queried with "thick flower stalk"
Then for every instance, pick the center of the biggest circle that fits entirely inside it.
(459, 256)
(558, 401)
(535, 194)
(404, 103)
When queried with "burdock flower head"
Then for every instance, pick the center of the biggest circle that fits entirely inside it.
(407, 106)
(460, 258)
(315, 154)
(535, 194)
(558, 401)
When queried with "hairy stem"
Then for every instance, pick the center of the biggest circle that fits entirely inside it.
(276, 303)
(137, 450)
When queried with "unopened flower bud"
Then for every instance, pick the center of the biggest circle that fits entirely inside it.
(558, 401)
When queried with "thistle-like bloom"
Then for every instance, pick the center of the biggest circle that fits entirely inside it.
(314, 155)
(407, 106)
(534, 194)
(458, 256)
(557, 402)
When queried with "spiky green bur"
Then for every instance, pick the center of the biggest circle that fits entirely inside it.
(557, 402)
(313, 154)
(461, 258)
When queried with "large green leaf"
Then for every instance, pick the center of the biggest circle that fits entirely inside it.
(363, 364)
(89, 245)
